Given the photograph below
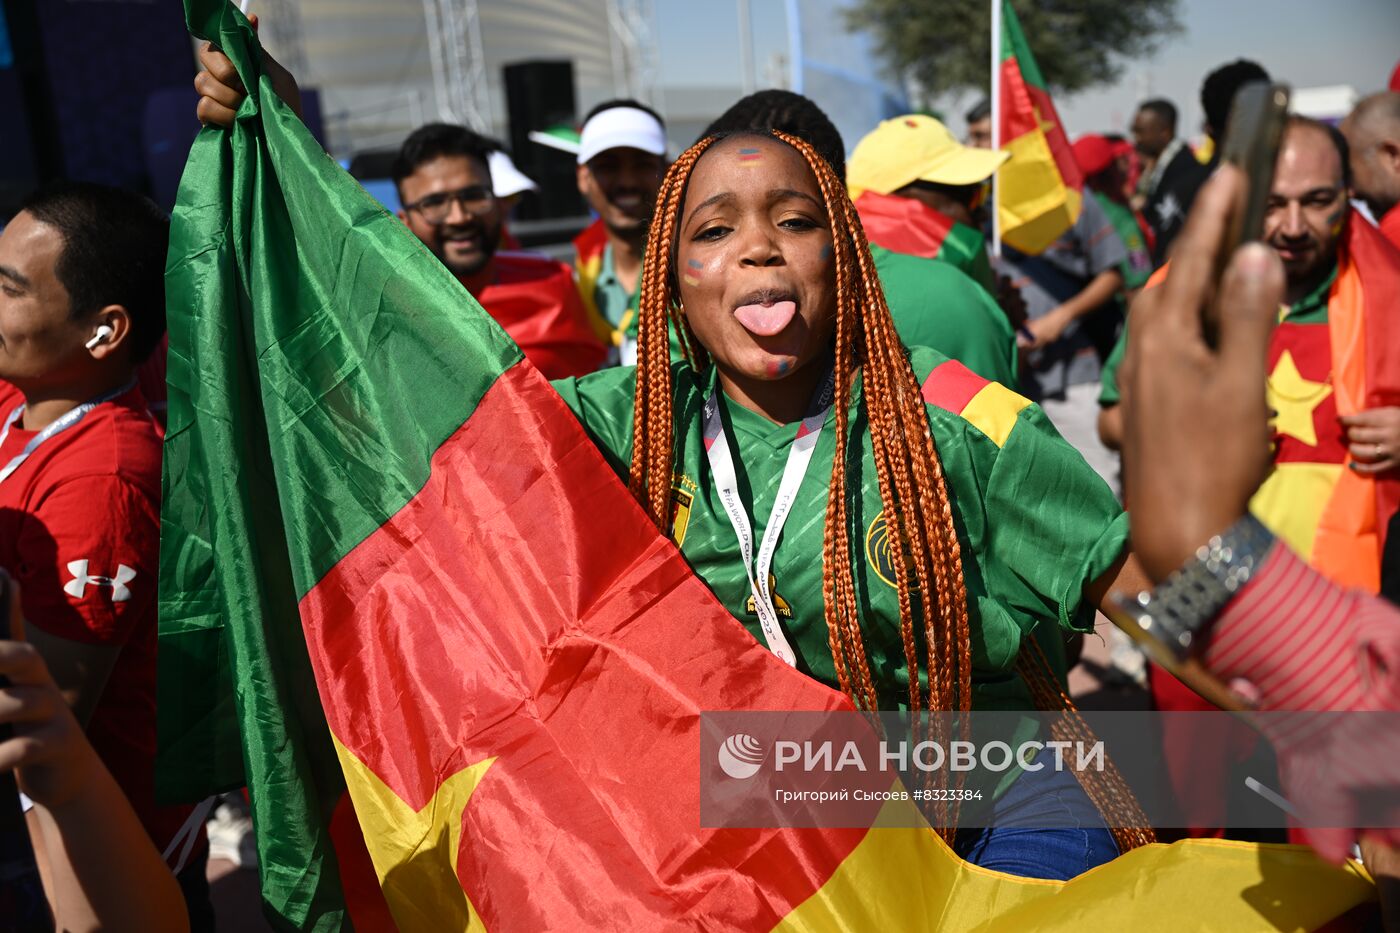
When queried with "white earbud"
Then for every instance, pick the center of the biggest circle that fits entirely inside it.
(103, 333)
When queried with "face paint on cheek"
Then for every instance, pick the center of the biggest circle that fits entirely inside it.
(826, 252)
(692, 277)
(749, 158)
(1337, 219)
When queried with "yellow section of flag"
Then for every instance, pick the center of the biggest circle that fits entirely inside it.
(1291, 500)
(1034, 205)
(909, 880)
(415, 851)
(993, 411)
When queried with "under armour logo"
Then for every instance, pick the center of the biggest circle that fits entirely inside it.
(77, 587)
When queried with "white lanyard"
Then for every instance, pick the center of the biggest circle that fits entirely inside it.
(58, 427)
(727, 485)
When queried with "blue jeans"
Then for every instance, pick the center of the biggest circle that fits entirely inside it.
(1044, 826)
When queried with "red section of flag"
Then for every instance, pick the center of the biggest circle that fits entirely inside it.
(1029, 109)
(1377, 261)
(951, 386)
(1017, 115)
(903, 225)
(587, 690)
(534, 298)
(1311, 351)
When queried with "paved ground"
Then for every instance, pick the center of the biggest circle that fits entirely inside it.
(1087, 680)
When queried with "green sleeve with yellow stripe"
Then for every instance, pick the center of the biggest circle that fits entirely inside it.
(1041, 524)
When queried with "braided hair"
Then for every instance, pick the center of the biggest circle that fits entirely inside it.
(913, 493)
(932, 594)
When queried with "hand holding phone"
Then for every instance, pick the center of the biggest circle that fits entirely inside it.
(1252, 136)
(1196, 435)
(1196, 438)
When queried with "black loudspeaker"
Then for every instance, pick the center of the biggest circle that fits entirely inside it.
(540, 95)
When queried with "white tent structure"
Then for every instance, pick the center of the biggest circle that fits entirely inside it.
(386, 66)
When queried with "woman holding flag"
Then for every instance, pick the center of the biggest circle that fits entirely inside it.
(879, 518)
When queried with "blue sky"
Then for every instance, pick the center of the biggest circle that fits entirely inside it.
(1304, 42)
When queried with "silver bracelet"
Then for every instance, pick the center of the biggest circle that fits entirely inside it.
(1177, 611)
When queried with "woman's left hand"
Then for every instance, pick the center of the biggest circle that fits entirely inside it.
(1374, 439)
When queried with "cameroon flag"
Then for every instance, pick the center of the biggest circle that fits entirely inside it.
(393, 563)
(904, 225)
(1333, 517)
(1039, 189)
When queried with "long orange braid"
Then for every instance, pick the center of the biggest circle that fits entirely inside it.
(914, 496)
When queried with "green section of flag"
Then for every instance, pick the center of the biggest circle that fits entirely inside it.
(1014, 45)
(319, 355)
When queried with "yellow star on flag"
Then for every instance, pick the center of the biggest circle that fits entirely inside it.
(415, 852)
(1295, 399)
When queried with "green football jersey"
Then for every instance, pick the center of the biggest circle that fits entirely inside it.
(934, 305)
(1034, 521)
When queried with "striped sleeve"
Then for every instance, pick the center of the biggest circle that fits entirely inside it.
(1307, 644)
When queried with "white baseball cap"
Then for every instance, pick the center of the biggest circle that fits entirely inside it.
(621, 128)
(506, 179)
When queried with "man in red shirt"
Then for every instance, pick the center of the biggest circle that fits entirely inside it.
(443, 176)
(82, 304)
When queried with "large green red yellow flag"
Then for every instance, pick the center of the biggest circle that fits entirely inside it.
(1039, 191)
(1334, 517)
(395, 564)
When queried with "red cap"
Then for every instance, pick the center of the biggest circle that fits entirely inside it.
(1093, 153)
(1395, 78)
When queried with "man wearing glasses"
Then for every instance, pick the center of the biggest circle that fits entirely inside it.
(444, 182)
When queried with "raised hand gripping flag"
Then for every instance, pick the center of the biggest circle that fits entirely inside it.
(393, 562)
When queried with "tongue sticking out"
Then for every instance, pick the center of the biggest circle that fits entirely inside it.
(766, 320)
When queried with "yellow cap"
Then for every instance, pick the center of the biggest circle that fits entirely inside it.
(917, 148)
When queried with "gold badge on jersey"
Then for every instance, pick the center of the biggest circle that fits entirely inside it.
(877, 550)
(880, 553)
(781, 605)
(682, 497)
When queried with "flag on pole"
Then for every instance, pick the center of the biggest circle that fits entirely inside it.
(393, 562)
(1039, 190)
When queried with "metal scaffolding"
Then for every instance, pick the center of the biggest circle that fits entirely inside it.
(279, 28)
(460, 82)
(636, 67)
